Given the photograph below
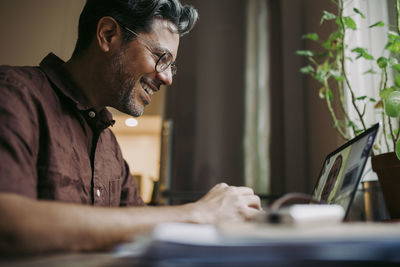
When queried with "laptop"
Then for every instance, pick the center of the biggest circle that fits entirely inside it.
(342, 170)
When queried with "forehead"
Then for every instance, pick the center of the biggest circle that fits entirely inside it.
(163, 34)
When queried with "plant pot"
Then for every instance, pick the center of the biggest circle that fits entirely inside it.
(387, 167)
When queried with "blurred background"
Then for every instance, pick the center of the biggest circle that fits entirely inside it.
(239, 110)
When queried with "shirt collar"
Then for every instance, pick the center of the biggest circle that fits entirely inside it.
(54, 69)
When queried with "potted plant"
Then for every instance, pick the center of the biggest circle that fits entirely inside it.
(328, 67)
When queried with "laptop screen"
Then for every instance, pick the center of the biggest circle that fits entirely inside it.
(342, 170)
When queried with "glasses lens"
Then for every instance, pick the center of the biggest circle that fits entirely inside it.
(163, 62)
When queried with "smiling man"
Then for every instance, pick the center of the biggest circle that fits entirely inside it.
(63, 182)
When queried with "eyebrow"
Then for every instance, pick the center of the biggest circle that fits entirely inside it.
(161, 49)
(148, 42)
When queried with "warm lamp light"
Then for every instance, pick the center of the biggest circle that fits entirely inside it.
(131, 122)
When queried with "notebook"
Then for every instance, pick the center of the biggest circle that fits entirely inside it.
(342, 170)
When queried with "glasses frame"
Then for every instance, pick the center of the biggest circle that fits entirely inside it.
(158, 67)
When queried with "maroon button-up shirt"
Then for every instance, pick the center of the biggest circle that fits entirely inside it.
(54, 145)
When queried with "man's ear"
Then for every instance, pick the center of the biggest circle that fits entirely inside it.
(108, 33)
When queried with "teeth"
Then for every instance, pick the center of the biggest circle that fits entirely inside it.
(147, 89)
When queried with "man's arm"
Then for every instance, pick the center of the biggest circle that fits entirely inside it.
(28, 225)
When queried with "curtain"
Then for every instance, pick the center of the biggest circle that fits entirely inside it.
(257, 106)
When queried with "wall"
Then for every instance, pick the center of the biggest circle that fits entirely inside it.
(32, 29)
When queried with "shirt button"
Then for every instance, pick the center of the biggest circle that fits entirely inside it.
(92, 114)
(98, 192)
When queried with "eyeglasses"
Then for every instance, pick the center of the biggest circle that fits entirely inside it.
(163, 61)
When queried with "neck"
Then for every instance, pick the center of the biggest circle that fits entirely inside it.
(84, 71)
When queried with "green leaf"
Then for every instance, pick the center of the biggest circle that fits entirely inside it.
(337, 75)
(378, 24)
(350, 23)
(382, 62)
(372, 99)
(339, 23)
(358, 131)
(384, 93)
(368, 56)
(351, 124)
(361, 97)
(307, 69)
(311, 36)
(397, 80)
(306, 53)
(333, 41)
(327, 16)
(392, 107)
(323, 54)
(393, 61)
(398, 149)
(393, 46)
(393, 36)
(339, 78)
(320, 76)
(359, 12)
(329, 94)
(396, 67)
(370, 71)
(362, 52)
(327, 44)
(359, 51)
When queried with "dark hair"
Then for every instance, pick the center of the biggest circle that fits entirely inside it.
(138, 15)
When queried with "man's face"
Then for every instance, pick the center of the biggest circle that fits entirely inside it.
(134, 78)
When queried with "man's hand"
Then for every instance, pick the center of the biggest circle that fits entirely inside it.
(225, 202)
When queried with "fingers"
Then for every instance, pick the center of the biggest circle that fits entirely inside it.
(231, 202)
(246, 194)
(245, 190)
(254, 202)
(239, 189)
(249, 213)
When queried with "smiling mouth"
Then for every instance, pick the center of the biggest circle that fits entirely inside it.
(147, 88)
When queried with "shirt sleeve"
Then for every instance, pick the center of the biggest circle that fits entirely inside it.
(19, 135)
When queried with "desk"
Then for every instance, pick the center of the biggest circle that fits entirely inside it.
(109, 260)
(381, 247)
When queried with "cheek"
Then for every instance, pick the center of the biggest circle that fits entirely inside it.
(129, 68)
(145, 64)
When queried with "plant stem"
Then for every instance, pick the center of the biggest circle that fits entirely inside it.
(343, 65)
(395, 137)
(333, 115)
(342, 105)
(391, 132)
(389, 120)
(384, 131)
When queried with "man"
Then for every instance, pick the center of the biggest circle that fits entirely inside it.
(61, 168)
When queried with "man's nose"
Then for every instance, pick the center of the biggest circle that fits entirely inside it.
(165, 76)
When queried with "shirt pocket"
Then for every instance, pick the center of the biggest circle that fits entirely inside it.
(114, 192)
